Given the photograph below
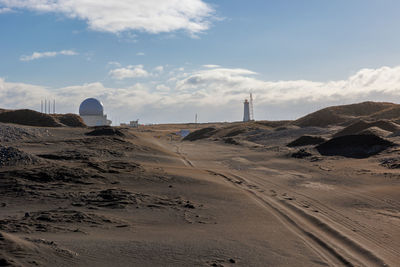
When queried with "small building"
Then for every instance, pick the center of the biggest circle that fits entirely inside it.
(91, 111)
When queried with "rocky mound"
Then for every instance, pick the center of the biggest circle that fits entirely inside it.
(10, 156)
(34, 118)
(108, 131)
(29, 117)
(348, 113)
(306, 140)
(11, 133)
(71, 120)
(200, 134)
(354, 146)
(363, 126)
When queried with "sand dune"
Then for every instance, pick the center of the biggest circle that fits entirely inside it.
(34, 118)
(229, 195)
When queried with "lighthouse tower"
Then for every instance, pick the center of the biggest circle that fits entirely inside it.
(246, 114)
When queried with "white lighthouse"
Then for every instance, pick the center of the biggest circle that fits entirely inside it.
(246, 114)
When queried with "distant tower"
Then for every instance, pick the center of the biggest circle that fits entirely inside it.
(246, 114)
(251, 108)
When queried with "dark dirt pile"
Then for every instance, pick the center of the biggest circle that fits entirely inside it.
(11, 156)
(11, 133)
(365, 127)
(34, 118)
(29, 117)
(302, 153)
(70, 120)
(108, 131)
(343, 115)
(200, 134)
(354, 146)
(306, 140)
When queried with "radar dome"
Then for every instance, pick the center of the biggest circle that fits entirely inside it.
(91, 107)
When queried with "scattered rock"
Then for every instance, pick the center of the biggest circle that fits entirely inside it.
(302, 153)
(391, 163)
(231, 141)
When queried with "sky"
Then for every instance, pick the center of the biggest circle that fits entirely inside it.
(163, 61)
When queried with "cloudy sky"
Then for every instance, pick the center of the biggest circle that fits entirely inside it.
(166, 60)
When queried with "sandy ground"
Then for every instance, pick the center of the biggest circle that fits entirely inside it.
(149, 199)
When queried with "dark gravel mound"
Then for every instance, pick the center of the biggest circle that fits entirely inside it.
(29, 117)
(200, 134)
(10, 156)
(109, 131)
(306, 140)
(34, 118)
(354, 146)
(71, 120)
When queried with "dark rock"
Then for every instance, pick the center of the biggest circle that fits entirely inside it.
(302, 153)
(231, 141)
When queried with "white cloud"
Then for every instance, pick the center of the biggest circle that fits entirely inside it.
(37, 55)
(114, 64)
(5, 10)
(210, 66)
(153, 16)
(162, 87)
(159, 69)
(140, 54)
(216, 94)
(129, 72)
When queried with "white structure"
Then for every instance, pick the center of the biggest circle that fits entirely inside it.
(246, 114)
(132, 124)
(92, 112)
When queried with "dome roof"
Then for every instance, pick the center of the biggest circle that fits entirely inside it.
(91, 107)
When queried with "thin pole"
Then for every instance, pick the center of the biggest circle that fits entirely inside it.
(41, 105)
(54, 106)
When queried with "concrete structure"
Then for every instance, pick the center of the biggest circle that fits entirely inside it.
(92, 112)
(246, 114)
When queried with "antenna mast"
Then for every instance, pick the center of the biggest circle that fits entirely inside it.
(251, 107)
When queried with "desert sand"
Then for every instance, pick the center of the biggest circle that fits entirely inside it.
(229, 194)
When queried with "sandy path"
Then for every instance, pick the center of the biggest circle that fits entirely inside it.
(335, 233)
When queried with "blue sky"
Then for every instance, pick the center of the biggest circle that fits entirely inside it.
(153, 61)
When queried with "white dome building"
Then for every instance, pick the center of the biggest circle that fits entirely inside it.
(92, 112)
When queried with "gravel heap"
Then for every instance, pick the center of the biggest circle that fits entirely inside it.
(10, 156)
(10, 133)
